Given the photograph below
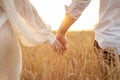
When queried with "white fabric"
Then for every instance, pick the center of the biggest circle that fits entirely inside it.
(3, 19)
(19, 21)
(26, 23)
(107, 32)
(10, 54)
(76, 8)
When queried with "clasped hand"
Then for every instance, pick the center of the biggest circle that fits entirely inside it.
(60, 44)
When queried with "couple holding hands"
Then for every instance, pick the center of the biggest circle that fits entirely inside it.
(20, 22)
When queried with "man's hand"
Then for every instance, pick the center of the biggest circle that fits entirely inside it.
(61, 38)
(59, 45)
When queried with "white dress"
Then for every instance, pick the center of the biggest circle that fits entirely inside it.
(19, 21)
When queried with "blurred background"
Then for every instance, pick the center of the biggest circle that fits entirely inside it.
(52, 12)
(80, 61)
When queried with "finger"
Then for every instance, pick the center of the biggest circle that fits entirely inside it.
(59, 48)
(54, 47)
(61, 45)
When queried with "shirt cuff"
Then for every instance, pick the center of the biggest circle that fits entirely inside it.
(51, 38)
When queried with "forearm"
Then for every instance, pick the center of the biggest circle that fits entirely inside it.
(65, 25)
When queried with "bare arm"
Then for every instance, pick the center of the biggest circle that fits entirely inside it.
(73, 12)
(65, 25)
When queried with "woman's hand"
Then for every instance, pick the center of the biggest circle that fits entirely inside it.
(59, 45)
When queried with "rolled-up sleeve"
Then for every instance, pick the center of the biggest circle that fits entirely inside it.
(76, 8)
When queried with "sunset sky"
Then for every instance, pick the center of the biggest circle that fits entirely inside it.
(52, 12)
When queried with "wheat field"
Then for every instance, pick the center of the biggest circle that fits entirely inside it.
(79, 62)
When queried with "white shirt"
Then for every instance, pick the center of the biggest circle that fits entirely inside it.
(107, 32)
(25, 22)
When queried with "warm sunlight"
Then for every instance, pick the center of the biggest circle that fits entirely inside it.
(52, 12)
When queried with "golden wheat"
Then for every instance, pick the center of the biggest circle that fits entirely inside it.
(79, 62)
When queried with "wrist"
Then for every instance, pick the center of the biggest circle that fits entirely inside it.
(61, 32)
(59, 35)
